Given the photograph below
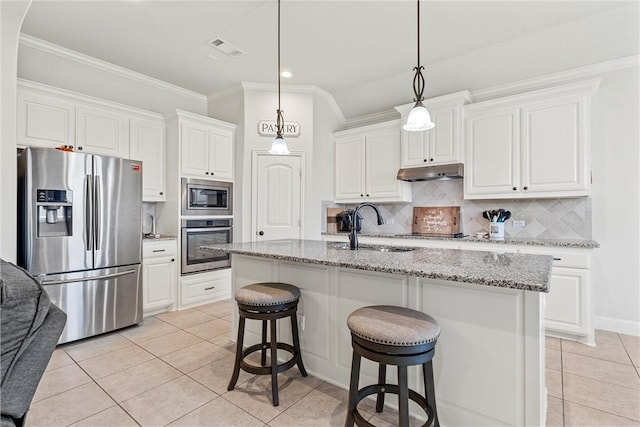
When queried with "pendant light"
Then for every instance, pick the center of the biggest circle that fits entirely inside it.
(419, 118)
(279, 145)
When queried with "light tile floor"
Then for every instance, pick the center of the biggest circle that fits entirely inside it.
(174, 369)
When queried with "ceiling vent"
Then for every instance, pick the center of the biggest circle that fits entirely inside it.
(226, 47)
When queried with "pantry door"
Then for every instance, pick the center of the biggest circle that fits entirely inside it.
(277, 188)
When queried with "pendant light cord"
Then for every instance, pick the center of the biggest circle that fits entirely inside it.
(279, 118)
(418, 79)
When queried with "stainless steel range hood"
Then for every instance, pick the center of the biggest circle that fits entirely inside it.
(432, 173)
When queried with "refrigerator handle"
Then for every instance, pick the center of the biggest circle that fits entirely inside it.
(97, 206)
(88, 215)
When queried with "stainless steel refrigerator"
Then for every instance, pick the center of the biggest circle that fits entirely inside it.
(80, 235)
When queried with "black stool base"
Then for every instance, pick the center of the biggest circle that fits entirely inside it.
(400, 357)
(267, 314)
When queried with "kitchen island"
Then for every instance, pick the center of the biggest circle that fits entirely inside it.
(489, 363)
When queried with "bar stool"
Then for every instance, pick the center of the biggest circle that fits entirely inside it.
(399, 336)
(267, 301)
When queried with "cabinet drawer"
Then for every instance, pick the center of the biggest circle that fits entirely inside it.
(159, 249)
(201, 288)
(572, 260)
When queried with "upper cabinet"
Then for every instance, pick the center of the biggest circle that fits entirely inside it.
(530, 145)
(44, 121)
(102, 131)
(52, 117)
(367, 160)
(207, 147)
(443, 143)
(147, 143)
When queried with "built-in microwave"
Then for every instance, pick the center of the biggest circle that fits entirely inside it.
(201, 197)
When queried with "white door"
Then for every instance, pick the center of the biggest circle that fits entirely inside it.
(278, 197)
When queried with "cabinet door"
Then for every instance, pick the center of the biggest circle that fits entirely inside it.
(101, 131)
(492, 153)
(159, 280)
(414, 148)
(221, 154)
(350, 168)
(566, 308)
(194, 139)
(554, 156)
(147, 140)
(443, 138)
(382, 164)
(44, 121)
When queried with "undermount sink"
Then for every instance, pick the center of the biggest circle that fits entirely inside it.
(345, 246)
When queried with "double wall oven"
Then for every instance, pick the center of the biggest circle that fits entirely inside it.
(210, 204)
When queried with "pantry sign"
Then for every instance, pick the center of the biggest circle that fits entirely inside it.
(269, 128)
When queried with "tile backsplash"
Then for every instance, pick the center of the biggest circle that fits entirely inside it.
(567, 218)
(148, 210)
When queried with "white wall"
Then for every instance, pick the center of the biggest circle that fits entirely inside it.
(11, 15)
(616, 210)
(56, 66)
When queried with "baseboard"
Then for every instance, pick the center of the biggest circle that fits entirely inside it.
(621, 326)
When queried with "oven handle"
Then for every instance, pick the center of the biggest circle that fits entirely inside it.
(197, 230)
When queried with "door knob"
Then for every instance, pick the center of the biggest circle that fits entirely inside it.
(261, 233)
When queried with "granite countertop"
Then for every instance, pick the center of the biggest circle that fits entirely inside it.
(515, 271)
(562, 243)
(158, 237)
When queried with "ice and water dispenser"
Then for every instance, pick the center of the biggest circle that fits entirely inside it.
(54, 212)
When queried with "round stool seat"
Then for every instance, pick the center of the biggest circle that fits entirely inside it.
(267, 294)
(395, 326)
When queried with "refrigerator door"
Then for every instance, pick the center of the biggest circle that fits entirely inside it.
(117, 207)
(55, 211)
(96, 301)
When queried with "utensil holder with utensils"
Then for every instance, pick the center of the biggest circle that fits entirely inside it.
(496, 223)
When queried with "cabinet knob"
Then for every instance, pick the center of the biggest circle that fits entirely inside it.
(161, 193)
(261, 233)
(367, 195)
(431, 159)
(515, 188)
(173, 259)
(211, 173)
(206, 173)
(425, 160)
(362, 195)
(525, 188)
(79, 148)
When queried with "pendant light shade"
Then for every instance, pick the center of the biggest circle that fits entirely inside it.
(419, 118)
(279, 145)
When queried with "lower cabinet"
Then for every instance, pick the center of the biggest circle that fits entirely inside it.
(203, 288)
(159, 276)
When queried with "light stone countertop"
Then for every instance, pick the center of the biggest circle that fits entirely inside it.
(159, 237)
(515, 271)
(562, 243)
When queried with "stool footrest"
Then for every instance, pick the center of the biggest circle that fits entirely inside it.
(265, 370)
(393, 389)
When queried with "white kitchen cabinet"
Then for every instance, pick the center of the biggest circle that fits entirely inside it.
(530, 145)
(44, 121)
(207, 147)
(443, 143)
(203, 288)
(147, 143)
(159, 275)
(102, 131)
(367, 160)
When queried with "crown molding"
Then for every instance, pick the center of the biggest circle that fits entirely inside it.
(271, 87)
(370, 119)
(555, 78)
(72, 55)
